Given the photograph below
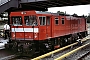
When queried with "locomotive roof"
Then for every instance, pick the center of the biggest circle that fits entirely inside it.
(56, 14)
(44, 12)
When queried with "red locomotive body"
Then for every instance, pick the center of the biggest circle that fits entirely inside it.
(43, 31)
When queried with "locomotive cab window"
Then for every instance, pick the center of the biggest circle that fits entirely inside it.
(30, 20)
(16, 20)
(56, 20)
(62, 19)
(42, 20)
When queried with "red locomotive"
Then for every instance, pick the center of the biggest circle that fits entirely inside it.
(33, 31)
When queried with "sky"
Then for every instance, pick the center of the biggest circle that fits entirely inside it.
(78, 9)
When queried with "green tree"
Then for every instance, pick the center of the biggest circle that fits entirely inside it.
(75, 14)
(60, 12)
(1, 15)
(4, 15)
(88, 18)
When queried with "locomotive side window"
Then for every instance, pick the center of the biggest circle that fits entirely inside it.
(16, 20)
(56, 20)
(30, 20)
(62, 20)
(48, 20)
(42, 20)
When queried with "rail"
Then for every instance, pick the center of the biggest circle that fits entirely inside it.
(69, 53)
(50, 53)
(84, 55)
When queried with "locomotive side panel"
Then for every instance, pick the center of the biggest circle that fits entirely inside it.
(56, 26)
(83, 24)
(68, 25)
(74, 25)
(45, 23)
(62, 26)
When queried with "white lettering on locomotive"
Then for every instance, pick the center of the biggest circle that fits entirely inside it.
(25, 30)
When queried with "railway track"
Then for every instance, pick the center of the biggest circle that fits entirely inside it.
(55, 55)
(50, 57)
(76, 53)
(84, 56)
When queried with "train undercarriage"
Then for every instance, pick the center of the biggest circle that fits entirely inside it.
(31, 48)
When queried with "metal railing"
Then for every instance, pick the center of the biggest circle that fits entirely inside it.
(3, 2)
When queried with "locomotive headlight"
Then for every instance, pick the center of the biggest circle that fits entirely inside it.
(35, 35)
(29, 36)
(23, 12)
(14, 35)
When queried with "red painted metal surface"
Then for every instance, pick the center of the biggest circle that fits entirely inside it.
(71, 25)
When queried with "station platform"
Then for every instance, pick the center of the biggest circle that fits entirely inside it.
(3, 42)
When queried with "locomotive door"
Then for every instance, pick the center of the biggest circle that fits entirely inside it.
(45, 27)
(48, 26)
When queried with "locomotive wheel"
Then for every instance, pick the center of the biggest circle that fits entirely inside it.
(43, 49)
(32, 50)
(29, 52)
(66, 41)
(62, 42)
(26, 50)
(69, 40)
(7, 46)
(86, 34)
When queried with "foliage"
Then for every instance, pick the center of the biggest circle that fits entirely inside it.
(88, 18)
(1, 15)
(75, 14)
(60, 12)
